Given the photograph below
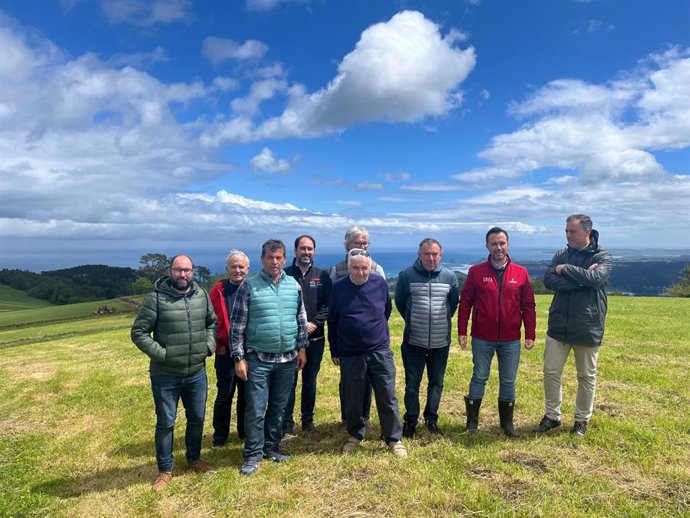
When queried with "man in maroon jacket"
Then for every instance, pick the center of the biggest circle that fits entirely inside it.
(222, 296)
(499, 294)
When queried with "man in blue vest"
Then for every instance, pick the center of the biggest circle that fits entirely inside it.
(269, 322)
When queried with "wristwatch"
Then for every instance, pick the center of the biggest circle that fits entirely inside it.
(238, 359)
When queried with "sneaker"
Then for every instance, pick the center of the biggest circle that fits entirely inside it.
(579, 429)
(201, 466)
(351, 445)
(249, 468)
(161, 481)
(408, 429)
(545, 425)
(398, 449)
(433, 428)
(308, 426)
(276, 456)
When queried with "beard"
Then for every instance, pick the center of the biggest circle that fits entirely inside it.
(181, 284)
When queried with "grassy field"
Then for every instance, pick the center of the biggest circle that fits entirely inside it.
(14, 300)
(76, 437)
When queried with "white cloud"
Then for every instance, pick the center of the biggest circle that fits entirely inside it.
(400, 71)
(369, 186)
(402, 176)
(267, 162)
(147, 12)
(141, 60)
(262, 5)
(259, 91)
(593, 26)
(220, 50)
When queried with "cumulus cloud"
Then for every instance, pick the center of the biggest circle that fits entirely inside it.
(267, 162)
(220, 50)
(147, 12)
(401, 70)
(593, 26)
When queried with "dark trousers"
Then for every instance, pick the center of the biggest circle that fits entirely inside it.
(366, 400)
(227, 382)
(309, 375)
(379, 368)
(415, 359)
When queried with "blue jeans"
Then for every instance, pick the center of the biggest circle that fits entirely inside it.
(415, 359)
(267, 390)
(309, 374)
(227, 382)
(379, 368)
(508, 354)
(167, 390)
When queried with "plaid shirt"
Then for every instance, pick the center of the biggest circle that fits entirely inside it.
(239, 317)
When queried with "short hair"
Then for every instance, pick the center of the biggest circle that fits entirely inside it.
(496, 230)
(273, 245)
(430, 241)
(584, 219)
(236, 253)
(358, 252)
(172, 260)
(351, 232)
(302, 237)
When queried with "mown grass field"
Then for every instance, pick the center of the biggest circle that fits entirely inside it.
(76, 437)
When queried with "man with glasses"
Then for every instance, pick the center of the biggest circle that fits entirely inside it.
(359, 340)
(355, 238)
(268, 333)
(176, 329)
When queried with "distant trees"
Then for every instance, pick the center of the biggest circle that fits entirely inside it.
(153, 266)
(682, 287)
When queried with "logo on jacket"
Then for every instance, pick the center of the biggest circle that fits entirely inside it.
(487, 279)
(512, 281)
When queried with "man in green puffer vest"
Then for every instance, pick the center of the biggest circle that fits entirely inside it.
(268, 335)
(176, 329)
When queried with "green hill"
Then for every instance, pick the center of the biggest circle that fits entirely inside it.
(14, 300)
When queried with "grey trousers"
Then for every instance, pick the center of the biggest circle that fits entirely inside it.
(379, 368)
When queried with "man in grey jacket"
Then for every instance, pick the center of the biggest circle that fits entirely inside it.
(579, 276)
(426, 296)
(176, 329)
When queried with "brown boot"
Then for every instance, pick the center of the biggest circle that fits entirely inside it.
(162, 481)
(201, 466)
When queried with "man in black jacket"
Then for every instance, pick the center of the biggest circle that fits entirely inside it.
(579, 276)
(316, 292)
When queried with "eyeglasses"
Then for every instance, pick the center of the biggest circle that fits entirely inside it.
(182, 270)
(357, 251)
(360, 244)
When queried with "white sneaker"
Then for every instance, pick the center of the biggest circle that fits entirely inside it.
(351, 445)
(398, 449)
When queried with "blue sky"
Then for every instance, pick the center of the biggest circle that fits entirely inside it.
(174, 125)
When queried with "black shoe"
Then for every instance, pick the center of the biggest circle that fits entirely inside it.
(433, 428)
(288, 428)
(219, 443)
(546, 425)
(409, 429)
(276, 456)
(308, 426)
(579, 429)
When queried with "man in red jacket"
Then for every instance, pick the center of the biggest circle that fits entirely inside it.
(499, 294)
(222, 296)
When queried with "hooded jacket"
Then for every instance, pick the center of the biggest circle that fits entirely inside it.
(578, 309)
(427, 301)
(497, 312)
(177, 331)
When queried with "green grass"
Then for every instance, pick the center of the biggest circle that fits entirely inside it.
(14, 300)
(76, 438)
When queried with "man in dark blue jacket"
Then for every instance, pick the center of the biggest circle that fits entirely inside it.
(426, 295)
(360, 344)
(579, 275)
(316, 292)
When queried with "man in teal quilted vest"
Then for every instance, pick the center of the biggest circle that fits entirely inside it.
(268, 334)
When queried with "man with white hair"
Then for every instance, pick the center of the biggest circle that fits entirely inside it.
(360, 344)
(356, 237)
(222, 296)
